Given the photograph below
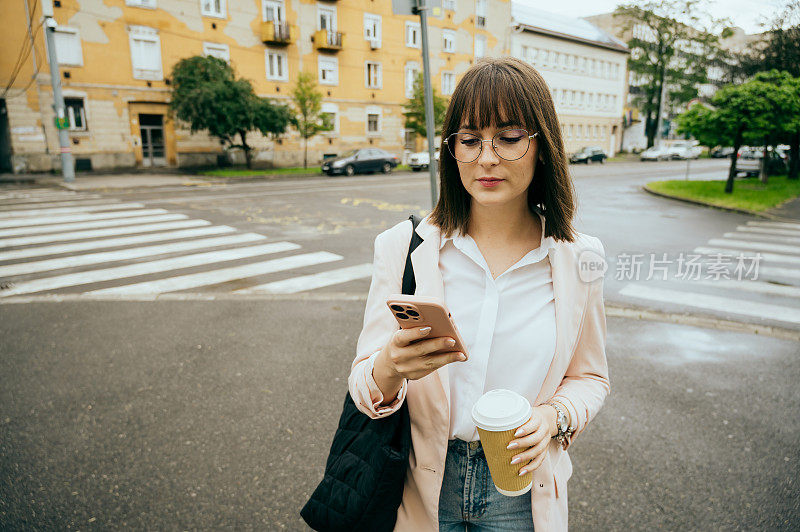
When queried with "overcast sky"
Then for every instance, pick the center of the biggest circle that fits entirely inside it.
(744, 13)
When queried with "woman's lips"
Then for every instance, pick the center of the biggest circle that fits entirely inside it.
(489, 182)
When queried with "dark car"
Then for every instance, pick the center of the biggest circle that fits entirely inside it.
(721, 152)
(363, 160)
(587, 155)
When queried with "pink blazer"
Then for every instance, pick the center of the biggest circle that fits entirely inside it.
(578, 373)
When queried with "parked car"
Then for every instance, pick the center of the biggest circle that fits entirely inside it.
(364, 160)
(685, 150)
(749, 161)
(419, 161)
(655, 154)
(588, 154)
(721, 152)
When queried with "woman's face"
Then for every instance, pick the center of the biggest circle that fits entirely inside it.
(515, 176)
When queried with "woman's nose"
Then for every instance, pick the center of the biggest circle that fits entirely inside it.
(488, 155)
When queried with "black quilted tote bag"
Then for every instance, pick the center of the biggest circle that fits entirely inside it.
(364, 475)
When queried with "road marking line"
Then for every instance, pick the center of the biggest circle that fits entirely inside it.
(115, 242)
(760, 287)
(63, 218)
(762, 237)
(705, 301)
(61, 228)
(66, 210)
(779, 272)
(310, 282)
(38, 201)
(145, 268)
(125, 254)
(5, 207)
(194, 280)
(113, 231)
(772, 257)
(755, 246)
(768, 230)
(778, 225)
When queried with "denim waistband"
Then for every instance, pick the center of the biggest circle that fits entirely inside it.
(465, 447)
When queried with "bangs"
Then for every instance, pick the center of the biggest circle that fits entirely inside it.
(494, 97)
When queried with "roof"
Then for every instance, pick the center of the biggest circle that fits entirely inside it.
(559, 26)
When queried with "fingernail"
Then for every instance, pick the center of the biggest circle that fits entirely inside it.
(425, 330)
(522, 472)
(515, 460)
(451, 342)
(518, 433)
(462, 356)
(512, 445)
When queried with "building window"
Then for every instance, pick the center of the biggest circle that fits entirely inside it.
(569, 132)
(373, 121)
(326, 18)
(332, 112)
(328, 70)
(449, 4)
(373, 75)
(411, 73)
(372, 27)
(480, 13)
(213, 8)
(273, 11)
(76, 114)
(277, 65)
(68, 46)
(145, 53)
(480, 45)
(141, 3)
(412, 34)
(449, 41)
(213, 49)
(448, 82)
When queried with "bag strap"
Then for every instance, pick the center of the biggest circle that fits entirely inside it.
(409, 282)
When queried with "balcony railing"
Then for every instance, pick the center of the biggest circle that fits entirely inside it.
(328, 40)
(278, 32)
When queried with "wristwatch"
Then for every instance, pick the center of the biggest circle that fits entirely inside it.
(564, 430)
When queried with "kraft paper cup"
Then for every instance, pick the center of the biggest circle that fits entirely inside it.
(497, 415)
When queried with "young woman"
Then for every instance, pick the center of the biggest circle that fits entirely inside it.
(500, 250)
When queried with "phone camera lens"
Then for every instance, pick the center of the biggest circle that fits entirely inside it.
(397, 308)
(402, 316)
(412, 313)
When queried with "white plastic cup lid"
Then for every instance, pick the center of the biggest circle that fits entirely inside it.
(499, 410)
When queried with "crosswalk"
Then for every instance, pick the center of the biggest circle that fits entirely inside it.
(768, 290)
(63, 242)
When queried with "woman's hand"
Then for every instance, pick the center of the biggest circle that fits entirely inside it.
(408, 354)
(534, 437)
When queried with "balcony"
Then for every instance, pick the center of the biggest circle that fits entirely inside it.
(331, 41)
(280, 33)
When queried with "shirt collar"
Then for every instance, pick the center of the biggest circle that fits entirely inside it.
(459, 239)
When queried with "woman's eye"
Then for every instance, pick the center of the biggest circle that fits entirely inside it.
(510, 140)
(469, 142)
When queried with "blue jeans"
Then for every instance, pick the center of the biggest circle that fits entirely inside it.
(469, 500)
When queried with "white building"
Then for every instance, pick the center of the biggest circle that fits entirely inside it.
(585, 68)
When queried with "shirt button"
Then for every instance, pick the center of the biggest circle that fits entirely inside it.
(474, 444)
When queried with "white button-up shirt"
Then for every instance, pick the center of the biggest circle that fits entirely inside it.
(508, 325)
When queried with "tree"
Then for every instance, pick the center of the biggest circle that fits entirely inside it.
(414, 109)
(667, 51)
(779, 46)
(206, 95)
(310, 119)
(748, 112)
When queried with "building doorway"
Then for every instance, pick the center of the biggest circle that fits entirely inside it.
(151, 127)
(5, 139)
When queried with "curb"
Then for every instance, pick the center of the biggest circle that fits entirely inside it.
(720, 207)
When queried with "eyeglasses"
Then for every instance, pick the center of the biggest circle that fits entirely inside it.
(509, 144)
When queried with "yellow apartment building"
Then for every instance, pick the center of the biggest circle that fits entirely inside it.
(116, 56)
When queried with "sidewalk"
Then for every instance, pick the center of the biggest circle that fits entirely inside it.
(790, 210)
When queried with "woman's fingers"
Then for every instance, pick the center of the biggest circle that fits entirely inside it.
(532, 458)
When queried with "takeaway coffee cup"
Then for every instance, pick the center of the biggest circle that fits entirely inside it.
(497, 415)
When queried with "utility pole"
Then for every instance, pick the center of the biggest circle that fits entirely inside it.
(662, 98)
(430, 125)
(61, 121)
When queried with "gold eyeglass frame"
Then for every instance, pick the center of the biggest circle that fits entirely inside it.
(480, 152)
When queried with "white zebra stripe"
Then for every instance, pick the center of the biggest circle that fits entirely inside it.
(39, 201)
(716, 303)
(310, 282)
(125, 254)
(58, 249)
(145, 268)
(73, 226)
(767, 230)
(760, 287)
(761, 237)
(778, 225)
(772, 257)
(194, 280)
(755, 246)
(95, 233)
(4, 207)
(67, 210)
(63, 218)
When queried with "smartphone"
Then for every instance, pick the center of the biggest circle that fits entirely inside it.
(412, 311)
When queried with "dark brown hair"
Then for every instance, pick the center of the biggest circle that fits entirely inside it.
(493, 91)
